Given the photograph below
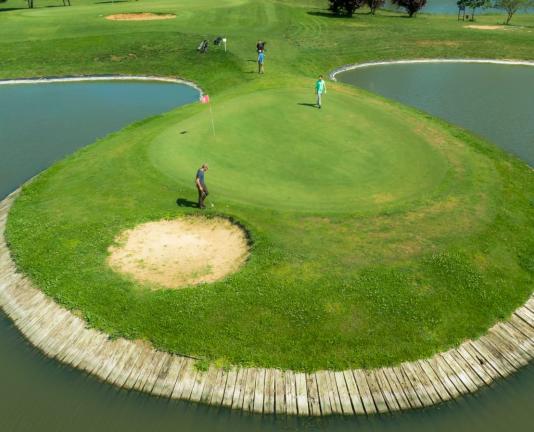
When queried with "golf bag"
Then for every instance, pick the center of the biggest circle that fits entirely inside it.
(218, 40)
(203, 47)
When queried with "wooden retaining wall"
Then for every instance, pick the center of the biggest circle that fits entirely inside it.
(58, 333)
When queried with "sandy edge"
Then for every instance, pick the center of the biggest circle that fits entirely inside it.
(345, 68)
(153, 78)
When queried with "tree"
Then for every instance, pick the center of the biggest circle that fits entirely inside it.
(345, 7)
(512, 6)
(374, 5)
(411, 6)
(31, 3)
(473, 5)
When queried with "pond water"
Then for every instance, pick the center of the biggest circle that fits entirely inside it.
(39, 394)
(495, 101)
(40, 124)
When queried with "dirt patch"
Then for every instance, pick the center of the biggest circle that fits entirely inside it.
(438, 43)
(144, 16)
(180, 252)
(486, 27)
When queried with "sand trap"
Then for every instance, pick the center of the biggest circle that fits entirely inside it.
(486, 27)
(144, 16)
(180, 252)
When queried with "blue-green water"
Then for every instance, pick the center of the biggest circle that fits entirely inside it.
(40, 395)
(493, 100)
(40, 124)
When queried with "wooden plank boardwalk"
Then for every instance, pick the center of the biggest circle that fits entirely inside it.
(60, 334)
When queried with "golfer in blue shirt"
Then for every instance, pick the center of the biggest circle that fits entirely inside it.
(261, 60)
(201, 185)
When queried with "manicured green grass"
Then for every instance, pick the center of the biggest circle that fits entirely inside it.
(379, 234)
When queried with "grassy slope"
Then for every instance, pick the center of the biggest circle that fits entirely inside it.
(329, 291)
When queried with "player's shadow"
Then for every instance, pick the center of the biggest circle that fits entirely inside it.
(183, 202)
(311, 105)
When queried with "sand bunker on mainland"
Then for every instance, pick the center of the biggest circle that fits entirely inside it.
(144, 16)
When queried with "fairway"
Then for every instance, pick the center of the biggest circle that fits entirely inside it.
(375, 233)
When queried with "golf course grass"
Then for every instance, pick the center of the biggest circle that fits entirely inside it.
(378, 234)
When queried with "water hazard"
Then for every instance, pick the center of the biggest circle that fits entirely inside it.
(39, 394)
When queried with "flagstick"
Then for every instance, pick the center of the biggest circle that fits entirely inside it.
(212, 122)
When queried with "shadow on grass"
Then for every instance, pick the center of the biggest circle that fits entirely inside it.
(184, 202)
(311, 105)
(12, 9)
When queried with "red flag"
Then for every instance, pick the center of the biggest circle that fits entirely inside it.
(205, 99)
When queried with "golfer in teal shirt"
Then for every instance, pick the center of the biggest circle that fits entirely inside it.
(320, 89)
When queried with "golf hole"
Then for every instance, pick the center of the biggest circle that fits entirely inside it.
(181, 252)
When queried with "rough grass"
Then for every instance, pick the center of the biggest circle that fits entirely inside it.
(367, 281)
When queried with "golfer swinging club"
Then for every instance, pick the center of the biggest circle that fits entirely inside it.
(320, 89)
(201, 186)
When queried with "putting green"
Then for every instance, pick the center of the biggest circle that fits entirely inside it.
(273, 148)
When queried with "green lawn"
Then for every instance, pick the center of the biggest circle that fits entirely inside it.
(379, 234)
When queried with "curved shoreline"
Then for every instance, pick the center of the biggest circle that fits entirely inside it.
(83, 78)
(353, 66)
(62, 335)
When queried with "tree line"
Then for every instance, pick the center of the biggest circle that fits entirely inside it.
(349, 7)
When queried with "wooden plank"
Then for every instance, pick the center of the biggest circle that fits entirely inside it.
(416, 383)
(439, 387)
(444, 377)
(314, 404)
(290, 393)
(500, 352)
(229, 389)
(122, 371)
(270, 392)
(322, 388)
(425, 381)
(209, 384)
(301, 394)
(376, 392)
(481, 352)
(333, 394)
(184, 382)
(343, 392)
(513, 342)
(259, 391)
(455, 379)
(217, 395)
(248, 400)
(365, 391)
(153, 370)
(482, 369)
(354, 393)
(280, 392)
(167, 385)
(522, 326)
(464, 375)
(525, 315)
(239, 389)
(458, 363)
(401, 398)
(407, 388)
(387, 391)
(199, 382)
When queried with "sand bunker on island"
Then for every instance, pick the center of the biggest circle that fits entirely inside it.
(181, 252)
(144, 16)
(486, 27)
